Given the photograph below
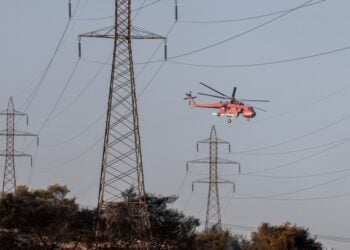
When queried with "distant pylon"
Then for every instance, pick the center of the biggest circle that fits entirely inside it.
(122, 166)
(213, 214)
(9, 181)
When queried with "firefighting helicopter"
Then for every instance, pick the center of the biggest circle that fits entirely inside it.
(230, 107)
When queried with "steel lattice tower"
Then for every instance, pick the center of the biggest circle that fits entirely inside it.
(213, 214)
(9, 179)
(122, 166)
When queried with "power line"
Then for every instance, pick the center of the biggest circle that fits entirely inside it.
(59, 97)
(92, 80)
(319, 236)
(275, 196)
(303, 106)
(151, 80)
(143, 6)
(57, 100)
(296, 138)
(240, 34)
(83, 131)
(324, 53)
(138, 10)
(300, 176)
(77, 156)
(146, 5)
(35, 91)
(246, 18)
(335, 196)
(155, 51)
(229, 38)
(302, 189)
(264, 63)
(254, 197)
(295, 161)
(298, 150)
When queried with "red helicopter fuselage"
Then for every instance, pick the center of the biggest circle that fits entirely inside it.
(226, 108)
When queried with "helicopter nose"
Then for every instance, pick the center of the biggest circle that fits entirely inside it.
(249, 113)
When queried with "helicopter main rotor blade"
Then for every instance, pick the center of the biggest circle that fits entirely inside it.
(264, 110)
(252, 100)
(202, 83)
(234, 93)
(216, 96)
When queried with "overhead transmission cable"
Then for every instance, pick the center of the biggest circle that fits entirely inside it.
(240, 34)
(246, 18)
(83, 131)
(318, 236)
(44, 123)
(295, 161)
(276, 196)
(99, 139)
(300, 149)
(302, 189)
(313, 198)
(263, 63)
(170, 59)
(320, 54)
(143, 6)
(295, 138)
(59, 97)
(301, 176)
(35, 91)
(303, 106)
(91, 81)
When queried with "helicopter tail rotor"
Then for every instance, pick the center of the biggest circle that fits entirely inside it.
(190, 98)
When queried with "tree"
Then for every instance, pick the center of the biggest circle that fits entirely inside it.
(48, 219)
(220, 240)
(43, 218)
(170, 227)
(285, 236)
(212, 240)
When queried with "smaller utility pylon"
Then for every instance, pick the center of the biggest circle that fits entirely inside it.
(213, 214)
(9, 181)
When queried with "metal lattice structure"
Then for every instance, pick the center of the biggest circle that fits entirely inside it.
(213, 214)
(122, 166)
(9, 178)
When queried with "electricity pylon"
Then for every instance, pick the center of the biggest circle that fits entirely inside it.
(213, 214)
(9, 181)
(122, 166)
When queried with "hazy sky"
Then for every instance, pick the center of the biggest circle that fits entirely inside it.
(303, 136)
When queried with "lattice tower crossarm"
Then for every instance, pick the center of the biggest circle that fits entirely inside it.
(122, 166)
(9, 177)
(213, 213)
